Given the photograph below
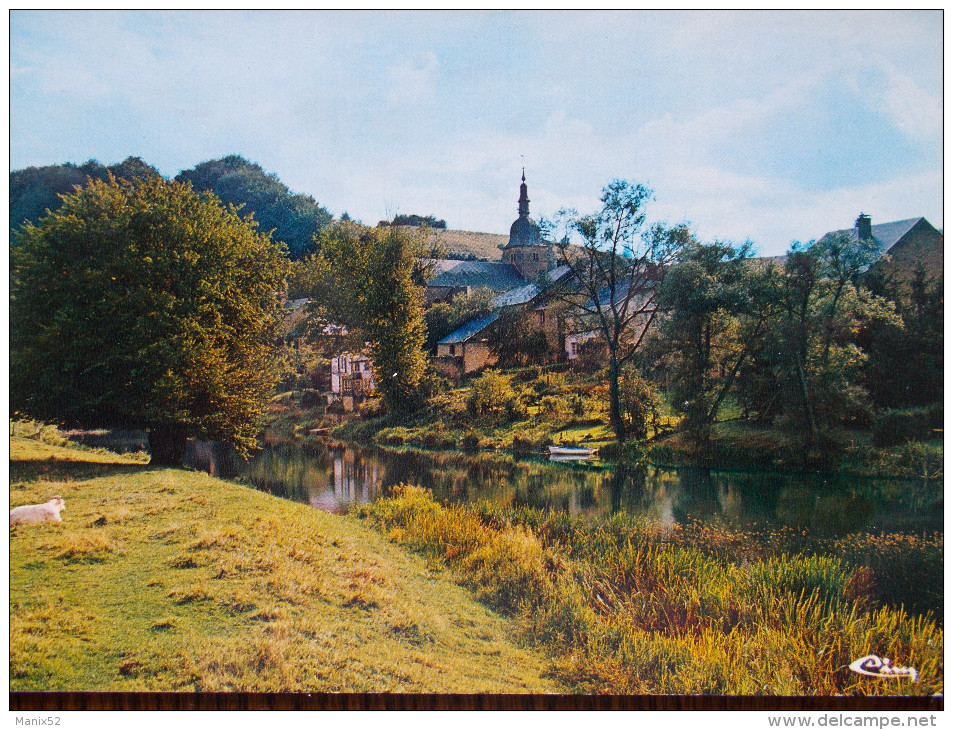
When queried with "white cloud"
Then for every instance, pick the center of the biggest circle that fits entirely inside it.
(411, 79)
(916, 112)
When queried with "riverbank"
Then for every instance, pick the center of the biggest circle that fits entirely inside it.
(169, 580)
(524, 410)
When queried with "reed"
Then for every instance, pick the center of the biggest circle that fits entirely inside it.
(628, 606)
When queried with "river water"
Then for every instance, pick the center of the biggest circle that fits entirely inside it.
(337, 479)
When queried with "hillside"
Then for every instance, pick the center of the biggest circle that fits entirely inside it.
(482, 245)
(294, 218)
(171, 580)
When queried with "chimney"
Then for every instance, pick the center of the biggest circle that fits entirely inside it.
(864, 232)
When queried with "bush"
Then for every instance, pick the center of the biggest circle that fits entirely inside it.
(630, 451)
(311, 398)
(896, 426)
(493, 397)
(554, 407)
(470, 442)
(527, 445)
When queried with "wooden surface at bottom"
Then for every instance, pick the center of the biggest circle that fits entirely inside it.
(230, 701)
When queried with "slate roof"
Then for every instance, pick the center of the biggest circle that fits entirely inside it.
(520, 295)
(885, 234)
(470, 329)
(517, 295)
(475, 274)
(524, 294)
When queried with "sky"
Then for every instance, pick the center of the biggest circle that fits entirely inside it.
(768, 126)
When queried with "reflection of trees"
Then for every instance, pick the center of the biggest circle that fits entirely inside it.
(628, 489)
(824, 504)
(749, 498)
(695, 495)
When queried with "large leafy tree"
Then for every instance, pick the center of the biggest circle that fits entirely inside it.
(807, 365)
(905, 365)
(616, 273)
(145, 304)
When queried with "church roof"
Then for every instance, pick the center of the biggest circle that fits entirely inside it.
(475, 274)
(524, 231)
(529, 292)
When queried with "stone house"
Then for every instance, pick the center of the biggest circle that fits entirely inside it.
(904, 244)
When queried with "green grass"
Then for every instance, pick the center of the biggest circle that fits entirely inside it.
(169, 580)
(627, 606)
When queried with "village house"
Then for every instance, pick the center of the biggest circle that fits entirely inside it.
(904, 243)
(352, 380)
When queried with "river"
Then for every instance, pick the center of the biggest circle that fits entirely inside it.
(337, 479)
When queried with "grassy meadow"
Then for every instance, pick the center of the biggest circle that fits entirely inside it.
(169, 580)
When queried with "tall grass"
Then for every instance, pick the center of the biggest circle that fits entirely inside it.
(627, 606)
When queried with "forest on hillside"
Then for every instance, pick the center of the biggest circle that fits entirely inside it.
(294, 218)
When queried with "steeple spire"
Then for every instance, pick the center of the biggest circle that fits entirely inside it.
(524, 198)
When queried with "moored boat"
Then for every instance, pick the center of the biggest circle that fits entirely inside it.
(571, 451)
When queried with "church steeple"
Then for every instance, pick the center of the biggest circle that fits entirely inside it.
(524, 198)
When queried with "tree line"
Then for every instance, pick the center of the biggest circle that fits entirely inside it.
(294, 219)
(145, 303)
(818, 341)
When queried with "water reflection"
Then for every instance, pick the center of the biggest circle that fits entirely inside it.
(338, 479)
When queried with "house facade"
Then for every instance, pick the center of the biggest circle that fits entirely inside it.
(352, 380)
(904, 244)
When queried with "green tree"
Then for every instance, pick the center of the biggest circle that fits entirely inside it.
(808, 362)
(364, 278)
(905, 364)
(698, 336)
(616, 274)
(394, 318)
(146, 305)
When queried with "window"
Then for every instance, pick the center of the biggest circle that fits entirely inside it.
(453, 349)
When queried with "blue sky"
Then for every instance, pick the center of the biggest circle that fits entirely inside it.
(769, 126)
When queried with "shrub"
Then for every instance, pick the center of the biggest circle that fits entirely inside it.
(470, 441)
(526, 445)
(554, 407)
(311, 398)
(628, 452)
(896, 426)
(493, 397)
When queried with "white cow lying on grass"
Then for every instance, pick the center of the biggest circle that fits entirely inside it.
(31, 513)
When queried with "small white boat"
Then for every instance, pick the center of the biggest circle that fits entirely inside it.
(571, 452)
